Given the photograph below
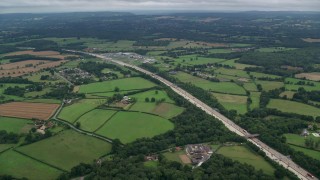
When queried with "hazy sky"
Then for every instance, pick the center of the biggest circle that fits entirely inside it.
(8, 6)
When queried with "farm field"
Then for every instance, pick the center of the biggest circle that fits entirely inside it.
(36, 77)
(48, 101)
(152, 93)
(298, 140)
(40, 111)
(4, 147)
(14, 163)
(315, 76)
(232, 102)
(10, 97)
(34, 94)
(122, 84)
(270, 85)
(67, 149)
(92, 120)
(37, 65)
(232, 72)
(72, 112)
(129, 126)
(255, 97)
(194, 60)
(294, 87)
(245, 155)
(312, 153)
(174, 156)
(294, 107)
(274, 49)
(263, 75)
(288, 94)
(165, 110)
(15, 125)
(250, 87)
(239, 66)
(220, 87)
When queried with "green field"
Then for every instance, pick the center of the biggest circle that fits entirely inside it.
(232, 102)
(10, 97)
(37, 93)
(49, 101)
(19, 166)
(255, 97)
(129, 126)
(194, 60)
(94, 119)
(245, 155)
(232, 72)
(122, 84)
(67, 149)
(72, 112)
(288, 94)
(36, 77)
(294, 87)
(250, 86)
(274, 49)
(298, 140)
(262, 75)
(174, 156)
(270, 85)
(4, 147)
(312, 153)
(140, 97)
(232, 63)
(294, 107)
(15, 125)
(220, 87)
(165, 110)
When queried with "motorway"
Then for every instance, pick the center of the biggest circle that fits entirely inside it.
(271, 153)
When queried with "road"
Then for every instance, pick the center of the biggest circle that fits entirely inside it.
(55, 118)
(271, 153)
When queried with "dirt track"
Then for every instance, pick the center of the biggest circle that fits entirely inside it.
(40, 111)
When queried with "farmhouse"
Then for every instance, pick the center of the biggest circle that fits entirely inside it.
(198, 153)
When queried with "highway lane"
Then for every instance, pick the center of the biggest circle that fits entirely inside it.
(271, 153)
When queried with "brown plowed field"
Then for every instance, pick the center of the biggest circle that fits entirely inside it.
(12, 70)
(40, 111)
(52, 54)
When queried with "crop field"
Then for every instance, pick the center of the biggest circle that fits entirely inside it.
(15, 125)
(294, 107)
(67, 149)
(72, 112)
(14, 163)
(244, 155)
(220, 87)
(255, 97)
(315, 76)
(40, 111)
(122, 84)
(232, 72)
(238, 103)
(250, 87)
(157, 94)
(19, 68)
(270, 85)
(92, 120)
(129, 126)
(187, 44)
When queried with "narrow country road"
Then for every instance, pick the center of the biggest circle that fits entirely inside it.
(55, 118)
(271, 153)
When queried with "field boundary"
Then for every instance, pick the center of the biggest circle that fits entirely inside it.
(5, 150)
(106, 121)
(53, 166)
(304, 147)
